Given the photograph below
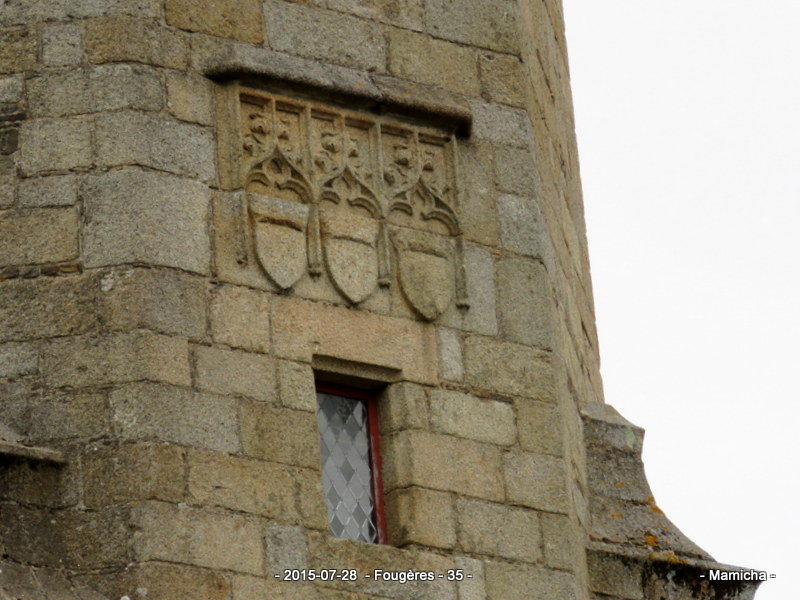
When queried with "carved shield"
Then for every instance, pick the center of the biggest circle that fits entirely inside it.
(350, 243)
(279, 237)
(425, 269)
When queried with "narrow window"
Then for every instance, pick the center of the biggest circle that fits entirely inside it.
(351, 463)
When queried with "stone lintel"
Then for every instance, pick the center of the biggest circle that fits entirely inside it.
(352, 373)
(286, 73)
(15, 450)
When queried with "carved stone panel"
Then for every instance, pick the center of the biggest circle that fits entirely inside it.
(365, 201)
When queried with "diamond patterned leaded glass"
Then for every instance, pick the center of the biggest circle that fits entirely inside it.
(346, 471)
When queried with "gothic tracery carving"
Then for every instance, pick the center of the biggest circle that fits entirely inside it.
(362, 199)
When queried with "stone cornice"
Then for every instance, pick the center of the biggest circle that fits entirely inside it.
(388, 94)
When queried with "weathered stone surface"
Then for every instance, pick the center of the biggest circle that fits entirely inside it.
(59, 10)
(36, 483)
(264, 435)
(286, 549)
(240, 318)
(164, 300)
(129, 138)
(539, 426)
(127, 39)
(420, 516)
(55, 145)
(615, 575)
(481, 316)
(18, 359)
(9, 140)
(645, 526)
(62, 45)
(18, 581)
(11, 88)
(311, 499)
(351, 257)
(246, 587)
(30, 528)
(165, 581)
(407, 14)
(57, 417)
(525, 304)
(509, 368)
(544, 24)
(328, 552)
(32, 309)
(8, 181)
(38, 236)
(443, 463)
(474, 587)
(500, 124)
(449, 109)
(58, 190)
(245, 485)
(147, 411)
(403, 406)
(232, 263)
(475, 22)
(296, 386)
(516, 172)
(521, 226)
(559, 541)
(466, 416)
(236, 19)
(498, 530)
(302, 329)
(479, 266)
(212, 538)
(190, 98)
(216, 58)
(435, 62)
(514, 582)
(327, 36)
(132, 472)
(89, 361)
(451, 359)
(102, 88)
(425, 274)
(142, 216)
(625, 515)
(18, 48)
(502, 78)
(42, 540)
(235, 373)
(103, 541)
(537, 481)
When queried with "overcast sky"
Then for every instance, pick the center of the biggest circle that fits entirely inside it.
(688, 122)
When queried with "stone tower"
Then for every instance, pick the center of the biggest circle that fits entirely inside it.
(295, 303)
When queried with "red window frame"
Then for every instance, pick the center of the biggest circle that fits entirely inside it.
(370, 400)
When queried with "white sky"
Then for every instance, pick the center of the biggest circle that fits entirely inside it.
(688, 119)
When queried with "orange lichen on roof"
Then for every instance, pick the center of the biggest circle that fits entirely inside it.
(651, 502)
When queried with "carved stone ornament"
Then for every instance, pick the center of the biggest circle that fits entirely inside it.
(361, 199)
